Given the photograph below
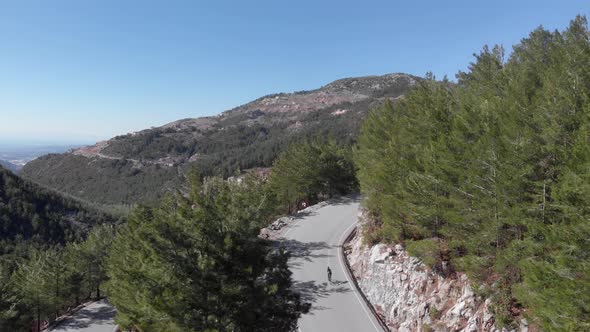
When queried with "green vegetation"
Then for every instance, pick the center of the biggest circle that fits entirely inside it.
(45, 263)
(31, 213)
(221, 153)
(309, 172)
(40, 284)
(104, 181)
(245, 147)
(195, 263)
(489, 176)
(153, 162)
(192, 262)
(492, 176)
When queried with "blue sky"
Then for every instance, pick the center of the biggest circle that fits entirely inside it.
(80, 71)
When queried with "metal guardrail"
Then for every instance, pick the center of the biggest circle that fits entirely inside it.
(354, 281)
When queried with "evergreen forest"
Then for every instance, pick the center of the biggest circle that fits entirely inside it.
(488, 175)
(491, 176)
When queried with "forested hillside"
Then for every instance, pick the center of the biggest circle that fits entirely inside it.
(143, 166)
(9, 166)
(197, 264)
(492, 177)
(195, 260)
(30, 212)
(45, 263)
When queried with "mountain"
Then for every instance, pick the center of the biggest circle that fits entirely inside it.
(42, 271)
(32, 213)
(10, 166)
(141, 166)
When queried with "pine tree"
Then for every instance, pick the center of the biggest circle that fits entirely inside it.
(312, 171)
(194, 263)
(491, 175)
(33, 286)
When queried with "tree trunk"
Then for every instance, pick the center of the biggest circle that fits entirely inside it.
(544, 197)
(38, 317)
(57, 294)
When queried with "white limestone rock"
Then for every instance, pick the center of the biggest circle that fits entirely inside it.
(412, 297)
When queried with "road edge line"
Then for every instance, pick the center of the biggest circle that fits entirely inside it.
(350, 276)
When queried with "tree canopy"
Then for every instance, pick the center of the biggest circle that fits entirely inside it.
(311, 171)
(491, 176)
(195, 263)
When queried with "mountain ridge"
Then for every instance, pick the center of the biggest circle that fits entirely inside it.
(9, 166)
(142, 165)
(32, 212)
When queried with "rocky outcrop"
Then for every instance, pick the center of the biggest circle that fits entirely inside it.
(411, 297)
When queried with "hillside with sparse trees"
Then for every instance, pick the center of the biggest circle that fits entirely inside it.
(144, 166)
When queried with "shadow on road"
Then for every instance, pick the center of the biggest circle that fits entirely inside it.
(338, 282)
(304, 214)
(304, 250)
(335, 201)
(103, 314)
(310, 291)
(343, 200)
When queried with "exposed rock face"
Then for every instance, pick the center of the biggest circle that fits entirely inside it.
(410, 297)
(347, 90)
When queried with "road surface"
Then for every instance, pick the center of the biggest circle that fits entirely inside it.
(95, 317)
(314, 240)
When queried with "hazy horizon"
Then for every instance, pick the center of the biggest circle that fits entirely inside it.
(11, 142)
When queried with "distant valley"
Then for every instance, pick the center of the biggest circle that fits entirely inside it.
(10, 166)
(15, 155)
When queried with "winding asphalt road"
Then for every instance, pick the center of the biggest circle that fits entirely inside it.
(95, 317)
(314, 240)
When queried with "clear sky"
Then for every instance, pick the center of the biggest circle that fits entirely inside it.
(80, 71)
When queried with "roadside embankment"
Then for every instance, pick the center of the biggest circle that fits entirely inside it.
(409, 296)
